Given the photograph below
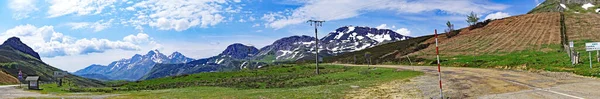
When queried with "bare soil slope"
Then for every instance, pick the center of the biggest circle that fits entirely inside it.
(517, 33)
(7, 79)
(583, 27)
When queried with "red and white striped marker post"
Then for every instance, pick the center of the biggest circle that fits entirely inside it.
(437, 52)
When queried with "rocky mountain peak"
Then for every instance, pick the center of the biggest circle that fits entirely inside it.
(239, 51)
(16, 43)
(175, 54)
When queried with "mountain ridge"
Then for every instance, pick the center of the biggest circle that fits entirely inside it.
(132, 68)
(16, 43)
(13, 60)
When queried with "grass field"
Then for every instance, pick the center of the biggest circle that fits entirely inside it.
(285, 81)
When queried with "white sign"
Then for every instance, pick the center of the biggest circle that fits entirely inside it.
(571, 44)
(59, 74)
(594, 46)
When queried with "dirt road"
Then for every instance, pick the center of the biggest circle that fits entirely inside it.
(460, 83)
(11, 92)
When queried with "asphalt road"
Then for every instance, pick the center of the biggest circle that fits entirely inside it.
(478, 83)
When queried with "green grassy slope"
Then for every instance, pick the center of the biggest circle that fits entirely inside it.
(573, 6)
(11, 61)
(272, 82)
(282, 81)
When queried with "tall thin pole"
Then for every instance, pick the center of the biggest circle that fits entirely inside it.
(410, 62)
(590, 59)
(437, 52)
(316, 24)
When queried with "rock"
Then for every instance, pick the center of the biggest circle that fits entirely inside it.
(354, 87)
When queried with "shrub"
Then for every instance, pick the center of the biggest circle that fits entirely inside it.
(480, 24)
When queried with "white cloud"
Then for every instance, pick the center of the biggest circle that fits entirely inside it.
(97, 26)
(384, 26)
(49, 43)
(403, 31)
(139, 38)
(256, 25)
(22, 8)
(251, 19)
(497, 15)
(130, 8)
(181, 15)
(337, 9)
(78, 7)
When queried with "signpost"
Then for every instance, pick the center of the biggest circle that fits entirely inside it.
(593, 46)
(20, 78)
(571, 56)
(20, 75)
(60, 75)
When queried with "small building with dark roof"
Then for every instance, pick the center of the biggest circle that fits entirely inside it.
(33, 82)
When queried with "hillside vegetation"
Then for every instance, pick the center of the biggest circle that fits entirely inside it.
(390, 52)
(11, 61)
(570, 6)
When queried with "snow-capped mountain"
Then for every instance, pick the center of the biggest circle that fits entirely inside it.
(354, 38)
(343, 39)
(239, 56)
(288, 48)
(135, 67)
(177, 57)
(235, 57)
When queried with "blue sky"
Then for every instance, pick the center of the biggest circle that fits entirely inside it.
(73, 34)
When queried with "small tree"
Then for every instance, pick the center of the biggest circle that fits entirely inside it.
(450, 32)
(450, 26)
(472, 18)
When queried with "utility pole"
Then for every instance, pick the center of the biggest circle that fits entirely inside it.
(316, 23)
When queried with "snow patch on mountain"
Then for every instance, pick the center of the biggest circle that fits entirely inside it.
(587, 5)
(343, 39)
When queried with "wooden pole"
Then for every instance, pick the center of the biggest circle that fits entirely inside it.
(316, 24)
